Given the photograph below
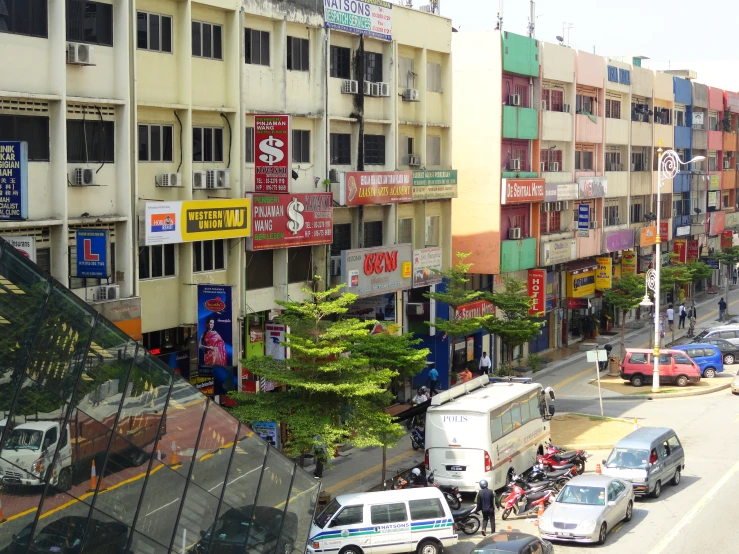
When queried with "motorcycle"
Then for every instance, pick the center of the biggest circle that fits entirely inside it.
(539, 473)
(417, 438)
(451, 494)
(466, 521)
(559, 460)
(528, 486)
(524, 503)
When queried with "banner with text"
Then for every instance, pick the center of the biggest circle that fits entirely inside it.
(272, 153)
(176, 222)
(359, 188)
(215, 325)
(425, 261)
(522, 190)
(93, 253)
(537, 291)
(287, 220)
(603, 273)
(372, 18)
(14, 180)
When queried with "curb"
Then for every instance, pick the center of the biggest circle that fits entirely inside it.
(668, 396)
(588, 446)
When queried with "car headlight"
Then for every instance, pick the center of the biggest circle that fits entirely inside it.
(587, 526)
(638, 479)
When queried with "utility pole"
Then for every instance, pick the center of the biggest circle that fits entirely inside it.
(532, 18)
(499, 24)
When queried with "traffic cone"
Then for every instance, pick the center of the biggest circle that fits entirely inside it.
(597, 468)
(175, 458)
(636, 424)
(159, 453)
(509, 529)
(93, 478)
(539, 513)
(2, 517)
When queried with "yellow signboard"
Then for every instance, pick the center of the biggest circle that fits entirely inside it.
(603, 273)
(176, 222)
(628, 262)
(580, 285)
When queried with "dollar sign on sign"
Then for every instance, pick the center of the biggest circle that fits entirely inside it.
(271, 153)
(296, 219)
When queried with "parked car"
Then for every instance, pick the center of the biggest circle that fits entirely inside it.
(735, 384)
(587, 508)
(707, 356)
(72, 535)
(513, 542)
(729, 351)
(674, 367)
(726, 332)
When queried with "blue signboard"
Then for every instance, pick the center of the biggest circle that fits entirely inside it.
(92, 253)
(583, 217)
(13, 180)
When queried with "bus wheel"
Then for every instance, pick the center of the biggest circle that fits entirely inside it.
(509, 476)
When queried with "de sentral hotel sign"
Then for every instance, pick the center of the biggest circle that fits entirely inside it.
(522, 190)
(360, 188)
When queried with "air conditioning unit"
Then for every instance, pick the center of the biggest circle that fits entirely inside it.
(544, 105)
(514, 165)
(80, 54)
(414, 308)
(542, 167)
(553, 166)
(218, 179)
(593, 224)
(349, 87)
(198, 180)
(335, 266)
(566, 108)
(84, 177)
(414, 161)
(514, 99)
(727, 164)
(546, 207)
(411, 95)
(110, 292)
(375, 89)
(169, 180)
(384, 89)
(633, 167)
(367, 88)
(561, 206)
(428, 8)
(514, 233)
(333, 175)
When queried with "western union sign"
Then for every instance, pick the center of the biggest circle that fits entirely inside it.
(175, 222)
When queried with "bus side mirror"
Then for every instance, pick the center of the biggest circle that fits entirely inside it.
(550, 392)
(551, 410)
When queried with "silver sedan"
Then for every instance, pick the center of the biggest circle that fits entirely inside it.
(735, 384)
(587, 508)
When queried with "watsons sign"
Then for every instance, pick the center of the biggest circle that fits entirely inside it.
(372, 18)
(13, 180)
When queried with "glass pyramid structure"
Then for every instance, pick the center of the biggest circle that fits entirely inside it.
(105, 450)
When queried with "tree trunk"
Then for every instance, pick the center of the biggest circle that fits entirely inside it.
(384, 464)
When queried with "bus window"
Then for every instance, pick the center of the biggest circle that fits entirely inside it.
(534, 407)
(507, 421)
(525, 415)
(496, 426)
(516, 415)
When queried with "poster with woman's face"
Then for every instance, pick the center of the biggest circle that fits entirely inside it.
(215, 326)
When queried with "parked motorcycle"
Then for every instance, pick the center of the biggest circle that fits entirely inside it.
(551, 465)
(524, 503)
(539, 473)
(451, 494)
(558, 459)
(466, 521)
(418, 439)
(528, 486)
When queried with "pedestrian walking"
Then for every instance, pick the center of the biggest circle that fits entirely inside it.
(485, 364)
(682, 315)
(433, 381)
(486, 505)
(721, 309)
(734, 276)
(670, 316)
(319, 453)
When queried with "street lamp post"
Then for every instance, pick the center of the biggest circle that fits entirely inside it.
(667, 167)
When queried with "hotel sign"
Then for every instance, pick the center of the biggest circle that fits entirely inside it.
(522, 190)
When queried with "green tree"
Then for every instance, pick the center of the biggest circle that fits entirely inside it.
(730, 258)
(512, 324)
(672, 278)
(625, 295)
(698, 271)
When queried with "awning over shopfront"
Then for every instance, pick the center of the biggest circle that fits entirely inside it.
(581, 266)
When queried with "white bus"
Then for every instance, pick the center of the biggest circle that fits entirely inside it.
(482, 430)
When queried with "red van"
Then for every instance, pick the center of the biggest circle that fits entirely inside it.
(675, 367)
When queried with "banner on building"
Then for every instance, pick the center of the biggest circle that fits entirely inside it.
(478, 308)
(14, 180)
(272, 153)
(215, 325)
(425, 261)
(287, 220)
(26, 246)
(580, 285)
(434, 185)
(357, 188)
(275, 337)
(664, 231)
(693, 251)
(522, 190)
(370, 271)
(592, 187)
(604, 273)
(373, 18)
(628, 262)
(583, 217)
(717, 223)
(537, 291)
(680, 249)
(727, 239)
(176, 222)
(93, 253)
(648, 236)
(269, 431)
(558, 251)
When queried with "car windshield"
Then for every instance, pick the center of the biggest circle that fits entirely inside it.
(628, 458)
(701, 335)
(328, 512)
(590, 496)
(24, 438)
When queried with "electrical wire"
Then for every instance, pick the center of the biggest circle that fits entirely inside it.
(180, 122)
(102, 128)
(230, 138)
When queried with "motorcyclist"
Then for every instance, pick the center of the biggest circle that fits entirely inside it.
(417, 478)
(421, 396)
(486, 504)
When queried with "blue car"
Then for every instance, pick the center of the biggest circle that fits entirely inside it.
(707, 356)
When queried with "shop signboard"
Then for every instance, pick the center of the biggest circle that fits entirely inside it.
(710, 262)
(287, 220)
(645, 262)
(727, 239)
(275, 337)
(361, 188)
(683, 231)
(372, 18)
(664, 231)
(604, 273)
(619, 240)
(425, 261)
(93, 253)
(693, 251)
(269, 431)
(731, 220)
(713, 200)
(124, 313)
(194, 220)
(272, 153)
(680, 249)
(583, 217)
(648, 236)
(628, 262)
(550, 192)
(371, 271)
(717, 223)
(478, 308)
(580, 285)
(522, 190)
(568, 191)
(714, 183)
(215, 325)
(380, 307)
(592, 187)
(558, 251)
(537, 291)
(577, 303)
(26, 246)
(13, 180)
(551, 297)
(434, 185)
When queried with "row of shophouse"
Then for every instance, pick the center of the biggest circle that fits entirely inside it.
(189, 164)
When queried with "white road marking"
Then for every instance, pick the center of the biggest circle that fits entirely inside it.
(694, 512)
(162, 507)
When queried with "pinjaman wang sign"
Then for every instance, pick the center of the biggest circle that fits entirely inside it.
(522, 190)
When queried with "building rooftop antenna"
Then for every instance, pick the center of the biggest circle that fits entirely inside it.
(499, 24)
(532, 18)
(567, 27)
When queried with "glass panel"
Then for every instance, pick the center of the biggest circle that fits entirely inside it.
(246, 469)
(144, 545)
(184, 418)
(300, 507)
(274, 489)
(61, 525)
(231, 530)
(161, 503)
(214, 449)
(199, 510)
(105, 535)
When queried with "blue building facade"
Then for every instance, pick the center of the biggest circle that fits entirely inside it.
(683, 142)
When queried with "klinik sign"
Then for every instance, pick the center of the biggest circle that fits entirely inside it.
(537, 291)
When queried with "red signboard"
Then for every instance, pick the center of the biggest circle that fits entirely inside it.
(664, 231)
(693, 251)
(537, 290)
(376, 187)
(522, 190)
(727, 239)
(478, 308)
(272, 170)
(577, 303)
(717, 223)
(680, 247)
(285, 220)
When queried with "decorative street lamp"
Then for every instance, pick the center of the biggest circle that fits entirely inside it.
(667, 167)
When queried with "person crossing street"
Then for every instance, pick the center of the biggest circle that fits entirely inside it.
(486, 505)
(682, 314)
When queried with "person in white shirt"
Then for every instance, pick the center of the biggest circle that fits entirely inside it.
(421, 396)
(670, 316)
(485, 364)
(681, 316)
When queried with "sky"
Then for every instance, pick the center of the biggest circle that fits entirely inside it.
(666, 32)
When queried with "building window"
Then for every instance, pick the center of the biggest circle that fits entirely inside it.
(613, 161)
(405, 231)
(433, 232)
(610, 213)
(259, 269)
(90, 22)
(584, 160)
(406, 75)
(550, 222)
(153, 32)
(155, 143)
(433, 77)
(585, 104)
(25, 17)
(405, 149)
(207, 144)
(157, 261)
(680, 204)
(341, 149)
(712, 121)
(301, 146)
(297, 53)
(613, 108)
(249, 145)
(662, 116)
(372, 234)
(32, 129)
(712, 161)
(639, 159)
(373, 67)
(680, 119)
(257, 47)
(433, 150)
(342, 238)
(208, 255)
(552, 100)
(299, 264)
(341, 62)
(374, 149)
(640, 110)
(725, 200)
(90, 141)
(637, 209)
(207, 40)
(551, 160)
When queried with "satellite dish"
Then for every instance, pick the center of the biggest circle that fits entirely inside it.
(560, 39)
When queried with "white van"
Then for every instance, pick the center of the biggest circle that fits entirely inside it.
(384, 522)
